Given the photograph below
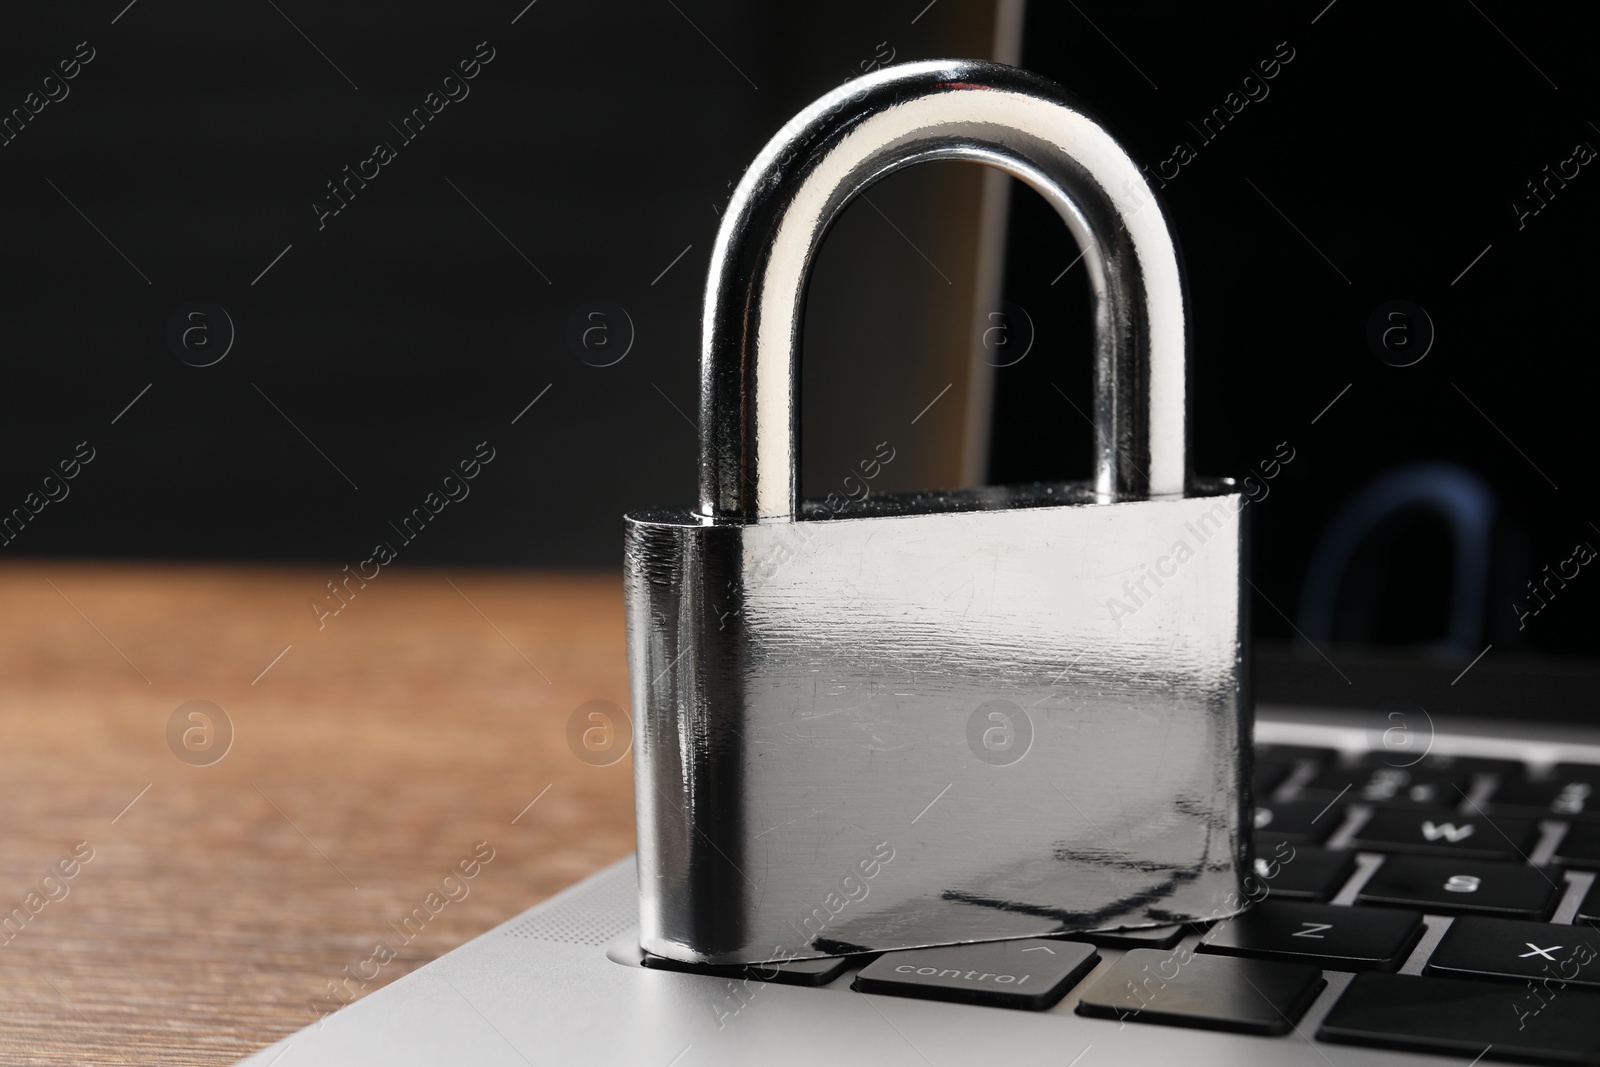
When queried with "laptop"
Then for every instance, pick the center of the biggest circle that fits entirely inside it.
(1412, 901)
(1426, 775)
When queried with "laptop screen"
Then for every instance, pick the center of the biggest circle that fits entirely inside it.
(1385, 218)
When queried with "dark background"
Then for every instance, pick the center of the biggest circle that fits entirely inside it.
(599, 144)
(601, 141)
(1392, 148)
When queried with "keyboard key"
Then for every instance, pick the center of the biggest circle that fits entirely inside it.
(1589, 907)
(1294, 820)
(1456, 1017)
(1301, 872)
(1563, 797)
(1468, 765)
(1296, 754)
(1148, 937)
(1388, 785)
(1338, 938)
(1580, 847)
(1477, 947)
(1265, 777)
(793, 972)
(1181, 988)
(1031, 973)
(1577, 772)
(1454, 886)
(1443, 833)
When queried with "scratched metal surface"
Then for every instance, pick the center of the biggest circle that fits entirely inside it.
(809, 779)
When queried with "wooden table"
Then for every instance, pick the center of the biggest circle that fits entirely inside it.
(367, 760)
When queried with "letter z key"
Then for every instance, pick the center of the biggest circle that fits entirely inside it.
(1338, 938)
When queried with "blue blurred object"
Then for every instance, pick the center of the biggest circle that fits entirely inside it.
(1459, 497)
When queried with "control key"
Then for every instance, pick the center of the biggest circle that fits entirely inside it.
(1032, 973)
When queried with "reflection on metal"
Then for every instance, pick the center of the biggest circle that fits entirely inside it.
(810, 775)
(872, 127)
(1450, 493)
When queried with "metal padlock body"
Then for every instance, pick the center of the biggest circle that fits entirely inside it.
(937, 717)
(816, 690)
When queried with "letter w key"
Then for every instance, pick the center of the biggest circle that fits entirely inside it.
(1449, 831)
(1440, 834)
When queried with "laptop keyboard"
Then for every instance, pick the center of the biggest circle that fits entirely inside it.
(1246, 996)
(1430, 833)
(1340, 939)
(1315, 874)
(1030, 973)
(1456, 1017)
(1354, 854)
(1463, 887)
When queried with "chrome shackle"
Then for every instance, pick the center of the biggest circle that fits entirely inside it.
(871, 127)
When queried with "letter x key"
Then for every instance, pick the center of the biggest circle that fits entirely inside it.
(1484, 947)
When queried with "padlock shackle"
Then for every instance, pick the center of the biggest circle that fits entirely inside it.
(871, 127)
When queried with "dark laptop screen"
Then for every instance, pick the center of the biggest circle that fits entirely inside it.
(1387, 217)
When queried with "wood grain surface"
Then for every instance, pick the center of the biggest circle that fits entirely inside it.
(366, 763)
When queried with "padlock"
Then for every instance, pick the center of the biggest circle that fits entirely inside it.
(938, 717)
